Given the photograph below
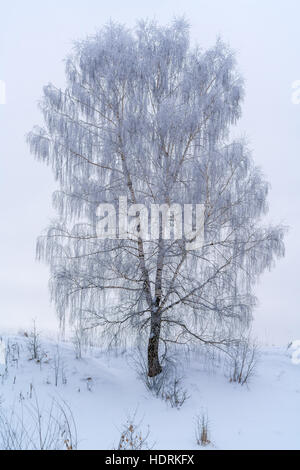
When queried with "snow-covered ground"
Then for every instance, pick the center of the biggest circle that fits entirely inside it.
(102, 390)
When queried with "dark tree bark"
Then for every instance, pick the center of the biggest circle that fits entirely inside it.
(154, 367)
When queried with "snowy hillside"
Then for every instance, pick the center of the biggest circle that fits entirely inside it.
(102, 391)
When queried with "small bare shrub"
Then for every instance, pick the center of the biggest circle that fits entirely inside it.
(89, 384)
(12, 355)
(173, 393)
(132, 437)
(38, 429)
(241, 361)
(35, 346)
(202, 432)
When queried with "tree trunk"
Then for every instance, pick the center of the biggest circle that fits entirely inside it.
(154, 367)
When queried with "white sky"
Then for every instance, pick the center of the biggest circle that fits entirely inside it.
(35, 37)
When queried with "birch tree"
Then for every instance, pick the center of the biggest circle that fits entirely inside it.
(147, 116)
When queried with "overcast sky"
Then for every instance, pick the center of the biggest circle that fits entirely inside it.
(35, 36)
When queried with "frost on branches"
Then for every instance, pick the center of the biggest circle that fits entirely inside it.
(146, 116)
